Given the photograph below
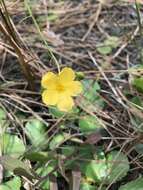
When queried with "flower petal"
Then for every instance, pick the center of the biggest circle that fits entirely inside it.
(65, 104)
(49, 80)
(50, 97)
(66, 75)
(74, 88)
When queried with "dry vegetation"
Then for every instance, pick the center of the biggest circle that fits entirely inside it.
(41, 35)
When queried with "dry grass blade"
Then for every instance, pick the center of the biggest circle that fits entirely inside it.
(76, 178)
(53, 184)
(10, 34)
(96, 16)
(73, 31)
(1, 173)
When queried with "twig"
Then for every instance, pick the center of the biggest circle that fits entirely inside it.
(22, 61)
(125, 44)
(94, 21)
(105, 77)
(10, 33)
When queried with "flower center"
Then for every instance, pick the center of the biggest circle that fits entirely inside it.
(60, 87)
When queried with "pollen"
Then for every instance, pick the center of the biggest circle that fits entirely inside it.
(60, 87)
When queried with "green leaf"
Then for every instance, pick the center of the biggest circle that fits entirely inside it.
(17, 167)
(133, 185)
(36, 132)
(13, 184)
(86, 151)
(89, 124)
(95, 170)
(45, 170)
(104, 49)
(90, 89)
(52, 17)
(56, 112)
(137, 100)
(108, 45)
(86, 186)
(137, 123)
(2, 115)
(112, 41)
(115, 167)
(4, 122)
(118, 166)
(56, 141)
(90, 92)
(80, 75)
(138, 84)
(11, 145)
(68, 150)
(139, 148)
(37, 156)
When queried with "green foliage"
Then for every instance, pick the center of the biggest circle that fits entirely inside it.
(86, 186)
(80, 76)
(107, 170)
(86, 151)
(45, 170)
(37, 156)
(138, 84)
(4, 122)
(11, 145)
(56, 112)
(69, 142)
(13, 184)
(139, 148)
(137, 100)
(95, 170)
(133, 185)
(108, 45)
(17, 167)
(90, 89)
(81, 152)
(56, 141)
(42, 172)
(68, 150)
(36, 132)
(52, 16)
(135, 119)
(2, 115)
(90, 92)
(136, 77)
(104, 49)
(89, 124)
(118, 166)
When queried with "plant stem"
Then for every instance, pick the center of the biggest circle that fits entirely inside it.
(41, 35)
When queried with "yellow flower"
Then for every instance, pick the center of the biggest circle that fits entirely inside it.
(59, 89)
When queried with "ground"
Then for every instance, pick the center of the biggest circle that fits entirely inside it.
(97, 145)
